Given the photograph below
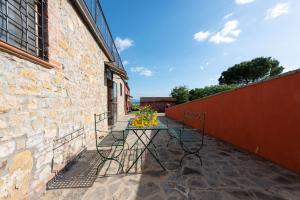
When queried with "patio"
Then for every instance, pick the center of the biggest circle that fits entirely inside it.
(227, 173)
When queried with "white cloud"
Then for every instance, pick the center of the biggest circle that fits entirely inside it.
(228, 34)
(125, 62)
(143, 71)
(123, 44)
(201, 67)
(228, 15)
(243, 1)
(201, 36)
(277, 10)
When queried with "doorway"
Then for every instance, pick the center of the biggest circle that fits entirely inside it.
(112, 98)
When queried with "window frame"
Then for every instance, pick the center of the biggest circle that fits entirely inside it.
(39, 36)
(121, 89)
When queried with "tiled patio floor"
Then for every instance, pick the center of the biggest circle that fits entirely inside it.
(227, 173)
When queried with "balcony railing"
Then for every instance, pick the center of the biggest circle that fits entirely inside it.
(96, 12)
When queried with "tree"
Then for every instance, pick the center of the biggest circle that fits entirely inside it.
(209, 90)
(251, 71)
(181, 94)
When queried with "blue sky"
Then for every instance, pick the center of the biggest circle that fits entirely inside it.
(167, 43)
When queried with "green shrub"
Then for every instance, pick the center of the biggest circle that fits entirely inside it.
(135, 107)
(198, 93)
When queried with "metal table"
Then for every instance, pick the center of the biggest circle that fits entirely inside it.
(143, 130)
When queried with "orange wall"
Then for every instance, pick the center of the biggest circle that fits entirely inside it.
(263, 118)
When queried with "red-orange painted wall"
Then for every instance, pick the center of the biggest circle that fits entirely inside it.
(263, 118)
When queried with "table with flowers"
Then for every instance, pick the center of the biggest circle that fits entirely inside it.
(146, 120)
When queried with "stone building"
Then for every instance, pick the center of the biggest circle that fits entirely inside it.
(58, 66)
(158, 103)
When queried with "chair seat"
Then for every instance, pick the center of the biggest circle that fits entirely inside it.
(186, 135)
(175, 132)
(115, 138)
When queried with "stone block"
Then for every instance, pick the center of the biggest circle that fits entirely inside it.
(45, 173)
(5, 108)
(19, 120)
(2, 165)
(15, 185)
(22, 161)
(44, 159)
(58, 78)
(34, 141)
(46, 86)
(51, 131)
(63, 44)
(38, 124)
(28, 73)
(29, 88)
(3, 124)
(32, 104)
(7, 148)
(20, 143)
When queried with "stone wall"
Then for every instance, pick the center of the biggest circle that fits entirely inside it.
(121, 99)
(39, 104)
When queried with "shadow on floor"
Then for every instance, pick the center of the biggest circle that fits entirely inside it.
(227, 173)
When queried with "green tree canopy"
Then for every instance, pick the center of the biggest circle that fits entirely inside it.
(251, 71)
(181, 94)
(209, 90)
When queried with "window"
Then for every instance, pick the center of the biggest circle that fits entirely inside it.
(121, 89)
(23, 24)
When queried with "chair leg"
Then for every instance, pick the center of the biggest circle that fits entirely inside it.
(188, 153)
(134, 144)
(200, 158)
(120, 164)
(113, 159)
(127, 145)
(101, 163)
(181, 161)
(171, 138)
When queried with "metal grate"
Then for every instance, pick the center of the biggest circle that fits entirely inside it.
(79, 173)
(97, 14)
(23, 24)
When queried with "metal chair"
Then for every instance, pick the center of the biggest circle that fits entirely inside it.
(113, 139)
(187, 136)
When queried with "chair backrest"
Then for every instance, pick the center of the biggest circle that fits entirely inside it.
(98, 119)
(191, 115)
(198, 116)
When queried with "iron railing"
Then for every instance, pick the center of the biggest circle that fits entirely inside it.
(96, 12)
(23, 24)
